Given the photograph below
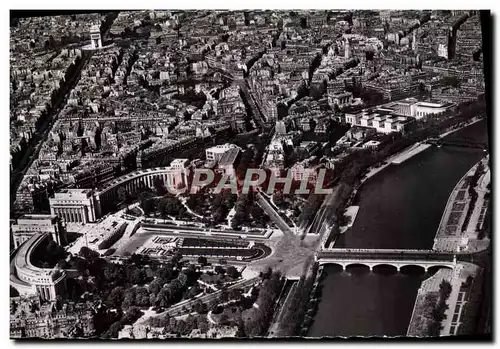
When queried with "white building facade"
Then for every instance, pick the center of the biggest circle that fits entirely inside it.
(75, 205)
(31, 224)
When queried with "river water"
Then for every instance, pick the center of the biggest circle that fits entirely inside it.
(400, 207)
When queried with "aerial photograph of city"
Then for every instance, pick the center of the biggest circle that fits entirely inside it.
(244, 174)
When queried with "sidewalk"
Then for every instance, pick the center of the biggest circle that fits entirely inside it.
(455, 315)
(449, 235)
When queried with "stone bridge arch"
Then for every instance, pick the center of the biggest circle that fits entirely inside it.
(426, 265)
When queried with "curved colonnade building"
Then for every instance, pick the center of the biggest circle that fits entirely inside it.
(28, 279)
(82, 206)
(172, 176)
(88, 205)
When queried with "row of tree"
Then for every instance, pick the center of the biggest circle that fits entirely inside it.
(171, 325)
(138, 283)
(165, 206)
(248, 213)
(472, 183)
(258, 323)
(438, 312)
(128, 318)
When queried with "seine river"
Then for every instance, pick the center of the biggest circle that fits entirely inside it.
(399, 208)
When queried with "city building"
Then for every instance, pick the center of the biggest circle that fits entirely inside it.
(29, 279)
(280, 127)
(381, 121)
(33, 319)
(443, 51)
(177, 173)
(355, 135)
(31, 224)
(418, 109)
(275, 157)
(216, 153)
(75, 205)
(108, 107)
(395, 88)
(228, 160)
(340, 99)
(95, 37)
(347, 53)
(305, 170)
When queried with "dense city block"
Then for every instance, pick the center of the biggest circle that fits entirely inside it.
(204, 174)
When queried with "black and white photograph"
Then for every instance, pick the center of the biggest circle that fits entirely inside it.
(250, 174)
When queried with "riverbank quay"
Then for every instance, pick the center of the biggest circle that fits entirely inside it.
(434, 316)
(351, 212)
(297, 312)
(350, 215)
(459, 127)
(411, 151)
(315, 298)
(417, 148)
(465, 212)
(357, 167)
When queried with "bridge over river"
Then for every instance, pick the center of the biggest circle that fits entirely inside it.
(391, 257)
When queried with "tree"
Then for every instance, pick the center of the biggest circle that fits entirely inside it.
(116, 297)
(13, 307)
(224, 319)
(54, 253)
(161, 207)
(219, 214)
(87, 253)
(165, 272)
(181, 279)
(267, 274)
(121, 194)
(163, 298)
(193, 291)
(142, 297)
(219, 270)
(138, 277)
(235, 293)
(113, 330)
(203, 326)
(146, 202)
(181, 327)
(152, 299)
(237, 220)
(200, 308)
(241, 328)
(232, 272)
(202, 260)
(224, 296)
(159, 186)
(444, 290)
(278, 198)
(214, 307)
(129, 298)
(133, 314)
(81, 265)
(156, 285)
(13, 292)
